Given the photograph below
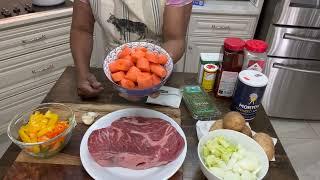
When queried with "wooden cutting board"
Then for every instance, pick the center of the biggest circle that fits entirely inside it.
(70, 154)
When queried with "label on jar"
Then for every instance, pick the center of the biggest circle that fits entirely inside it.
(208, 81)
(257, 65)
(227, 83)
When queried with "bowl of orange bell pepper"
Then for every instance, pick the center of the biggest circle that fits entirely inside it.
(44, 130)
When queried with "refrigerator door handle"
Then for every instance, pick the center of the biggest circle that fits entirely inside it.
(282, 66)
(299, 38)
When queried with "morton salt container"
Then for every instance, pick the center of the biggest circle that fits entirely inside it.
(249, 91)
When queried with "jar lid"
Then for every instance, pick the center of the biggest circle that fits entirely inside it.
(257, 46)
(234, 44)
(253, 78)
(211, 68)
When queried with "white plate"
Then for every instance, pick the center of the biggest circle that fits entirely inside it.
(157, 173)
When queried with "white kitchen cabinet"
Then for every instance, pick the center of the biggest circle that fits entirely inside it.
(211, 24)
(33, 56)
(197, 45)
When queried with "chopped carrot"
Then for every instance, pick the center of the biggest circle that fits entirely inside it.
(125, 52)
(152, 57)
(144, 81)
(113, 67)
(142, 49)
(158, 70)
(138, 54)
(155, 80)
(126, 83)
(145, 73)
(130, 58)
(162, 59)
(117, 76)
(124, 64)
(132, 74)
(143, 64)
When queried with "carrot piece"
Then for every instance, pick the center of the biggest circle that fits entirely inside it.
(130, 58)
(152, 57)
(142, 49)
(132, 74)
(145, 73)
(143, 64)
(144, 80)
(124, 64)
(158, 70)
(155, 80)
(126, 83)
(117, 76)
(125, 52)
(137, 54)
(162, 59)
(113, 67)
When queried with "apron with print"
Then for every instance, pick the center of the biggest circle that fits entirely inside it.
(129, 20)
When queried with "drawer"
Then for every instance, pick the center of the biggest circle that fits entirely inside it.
(32, 38)
(41, 67)
(220, 25)
(22, 102)
(30, 84)
(34, 57)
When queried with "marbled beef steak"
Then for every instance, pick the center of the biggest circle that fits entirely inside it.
(135, 143)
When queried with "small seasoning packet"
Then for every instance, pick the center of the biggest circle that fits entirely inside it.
(203, 128)
(199, 103)
(169, 96)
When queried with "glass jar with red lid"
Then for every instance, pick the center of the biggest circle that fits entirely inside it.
(255, 55)
(231, 65)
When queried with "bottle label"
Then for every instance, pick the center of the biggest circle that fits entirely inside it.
(208, 80)
(227, 83)
(257, 65)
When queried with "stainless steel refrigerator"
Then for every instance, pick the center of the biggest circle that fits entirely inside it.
(292, 29)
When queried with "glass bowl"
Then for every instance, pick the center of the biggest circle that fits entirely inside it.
(113, 55)
(51, 146)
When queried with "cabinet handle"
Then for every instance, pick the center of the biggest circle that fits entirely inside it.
(36, 39)
(36, 71)
(190, 48)
(220, 27)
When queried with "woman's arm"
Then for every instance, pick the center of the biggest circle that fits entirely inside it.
(175, 25)
(81, 42)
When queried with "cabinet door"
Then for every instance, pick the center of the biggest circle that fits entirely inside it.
(193, 53)
(197, 45)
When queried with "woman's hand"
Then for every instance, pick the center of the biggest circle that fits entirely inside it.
(88, 86)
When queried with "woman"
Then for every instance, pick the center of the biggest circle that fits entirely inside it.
(163, 21)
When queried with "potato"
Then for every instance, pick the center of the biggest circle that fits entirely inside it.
(217, 125)
(247, 131)
(266, 143)
(234, 121)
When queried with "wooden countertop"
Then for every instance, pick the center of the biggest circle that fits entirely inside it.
(65, 92)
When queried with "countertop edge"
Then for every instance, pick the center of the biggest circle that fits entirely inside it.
(227, 8)
(34, 17)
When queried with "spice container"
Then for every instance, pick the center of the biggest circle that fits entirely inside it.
(231, 66)
(207, 58)
(249, 92)
(209, 76)
(255, 55)
(199, 103)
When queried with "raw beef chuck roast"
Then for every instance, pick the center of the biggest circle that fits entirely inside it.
(136, 143)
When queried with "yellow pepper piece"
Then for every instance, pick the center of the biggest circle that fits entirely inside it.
(43, 131)
(36, 149)
(24, 137)
(53, 118)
